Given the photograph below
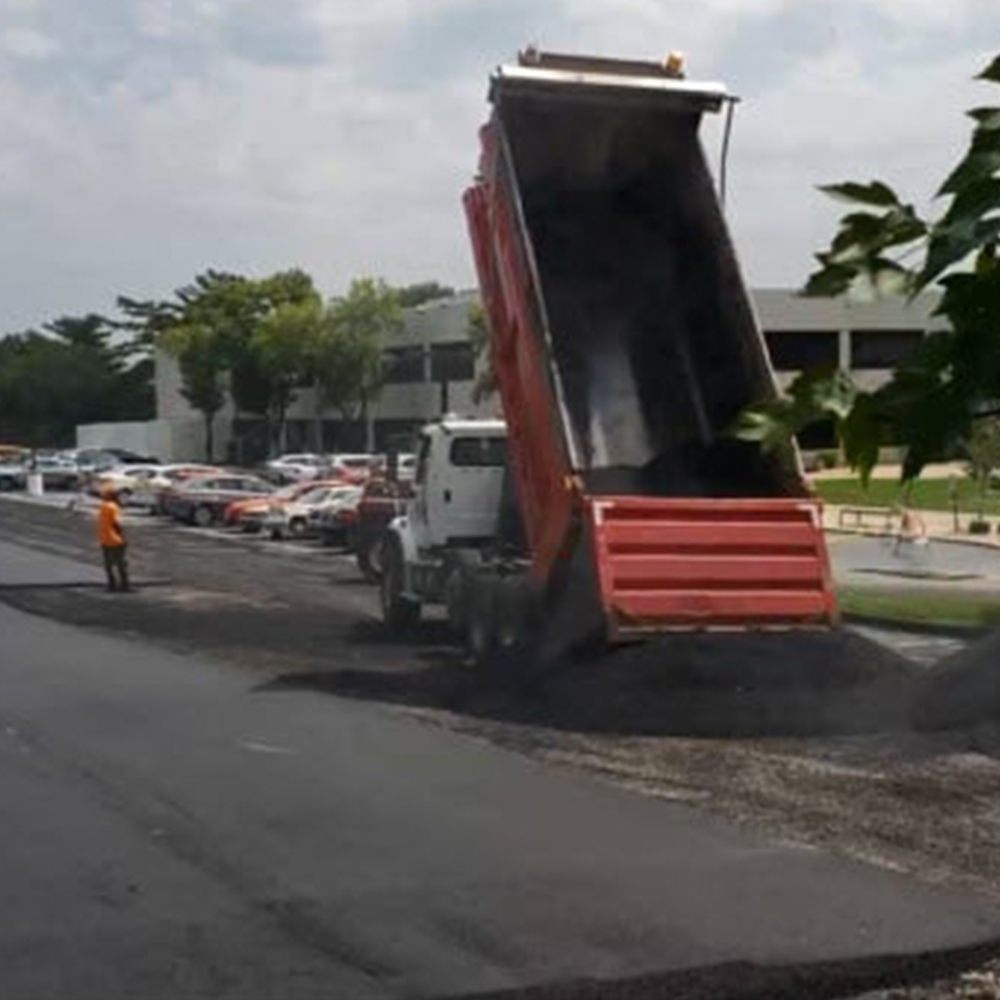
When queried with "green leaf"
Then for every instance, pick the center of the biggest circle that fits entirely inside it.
(951, 244)
(992, 72)
(861, 436)
(875, 193)
(829, 281)
(974, 167)
(974, 201)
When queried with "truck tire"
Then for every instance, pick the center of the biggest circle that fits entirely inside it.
(501, 624)
(459, 580)
(399, 613)
(202, 516)
(480, 632)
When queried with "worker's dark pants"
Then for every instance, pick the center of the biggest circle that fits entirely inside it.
(116, 566)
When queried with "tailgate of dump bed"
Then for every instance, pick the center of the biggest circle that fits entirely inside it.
(669, 564)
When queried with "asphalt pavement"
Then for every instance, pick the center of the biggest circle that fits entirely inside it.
(175, 827)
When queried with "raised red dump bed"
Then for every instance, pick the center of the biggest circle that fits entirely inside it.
(625, 346)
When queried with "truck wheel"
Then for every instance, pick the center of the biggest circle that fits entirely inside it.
(202, 516)
(480, 633)
(457, 586)
(501, 626)
(399, 613)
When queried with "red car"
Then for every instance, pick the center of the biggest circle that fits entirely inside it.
(249, 514)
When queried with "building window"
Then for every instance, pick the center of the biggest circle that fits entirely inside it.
(882, 348)
(403, 364)
(452, 362)
(795, 351)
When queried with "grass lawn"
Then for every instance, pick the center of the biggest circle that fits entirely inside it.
(928, 608)
(925, 494)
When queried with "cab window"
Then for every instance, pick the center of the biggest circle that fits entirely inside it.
(478, 452)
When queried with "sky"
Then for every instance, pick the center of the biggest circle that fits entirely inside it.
(143, 141)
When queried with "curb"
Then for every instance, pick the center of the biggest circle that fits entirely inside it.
(942, 630)
(973, 540)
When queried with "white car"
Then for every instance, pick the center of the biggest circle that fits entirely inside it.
(148, 492)
(298, 467)
(352, 467)
(128, 481)
(301, 518)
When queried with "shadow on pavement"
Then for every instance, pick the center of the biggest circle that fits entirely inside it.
(748, 981)
(692, 685)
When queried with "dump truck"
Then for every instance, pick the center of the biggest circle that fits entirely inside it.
(613, 502)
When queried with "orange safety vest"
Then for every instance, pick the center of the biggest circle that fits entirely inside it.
(109, 525)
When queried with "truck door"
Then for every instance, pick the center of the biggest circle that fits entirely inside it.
(463, 488)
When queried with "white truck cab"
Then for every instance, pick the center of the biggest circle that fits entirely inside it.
(455, 511)
(458, 482)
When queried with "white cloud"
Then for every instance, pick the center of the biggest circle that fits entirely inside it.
(339, 134)
(26, 43)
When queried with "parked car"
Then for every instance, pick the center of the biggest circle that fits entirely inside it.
(249, 515)
(90, 460)
(127, 481)
(12, 453)
(355, 468)
(13, 475)
(126, 457)
(336, 518)
(202, 500)
(151, 492)
(57, 473)
(381, 501)
(406, 466)
(293, 468)
(301, 517)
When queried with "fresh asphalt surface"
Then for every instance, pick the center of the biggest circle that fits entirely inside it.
(176, 828)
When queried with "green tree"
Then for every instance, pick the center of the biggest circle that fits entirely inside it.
(77, 370)
(348, 356)
(983, 452)
(884, 247)
(227, 330)
(421, 292)
(201, 356)
(284, 350)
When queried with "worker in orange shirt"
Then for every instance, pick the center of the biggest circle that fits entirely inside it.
(111, 536)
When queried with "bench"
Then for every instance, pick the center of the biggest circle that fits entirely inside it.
(862, 517)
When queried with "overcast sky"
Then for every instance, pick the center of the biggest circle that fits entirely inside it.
(144, 140)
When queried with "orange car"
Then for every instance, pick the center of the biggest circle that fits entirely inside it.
(249, 514)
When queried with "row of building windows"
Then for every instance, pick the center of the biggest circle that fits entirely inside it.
(453, 361)
(790, 351)
(793, 351)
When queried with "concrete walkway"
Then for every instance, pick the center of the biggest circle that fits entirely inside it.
(940, 525)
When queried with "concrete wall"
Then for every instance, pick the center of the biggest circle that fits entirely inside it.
(153, 437)
(177, 440)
